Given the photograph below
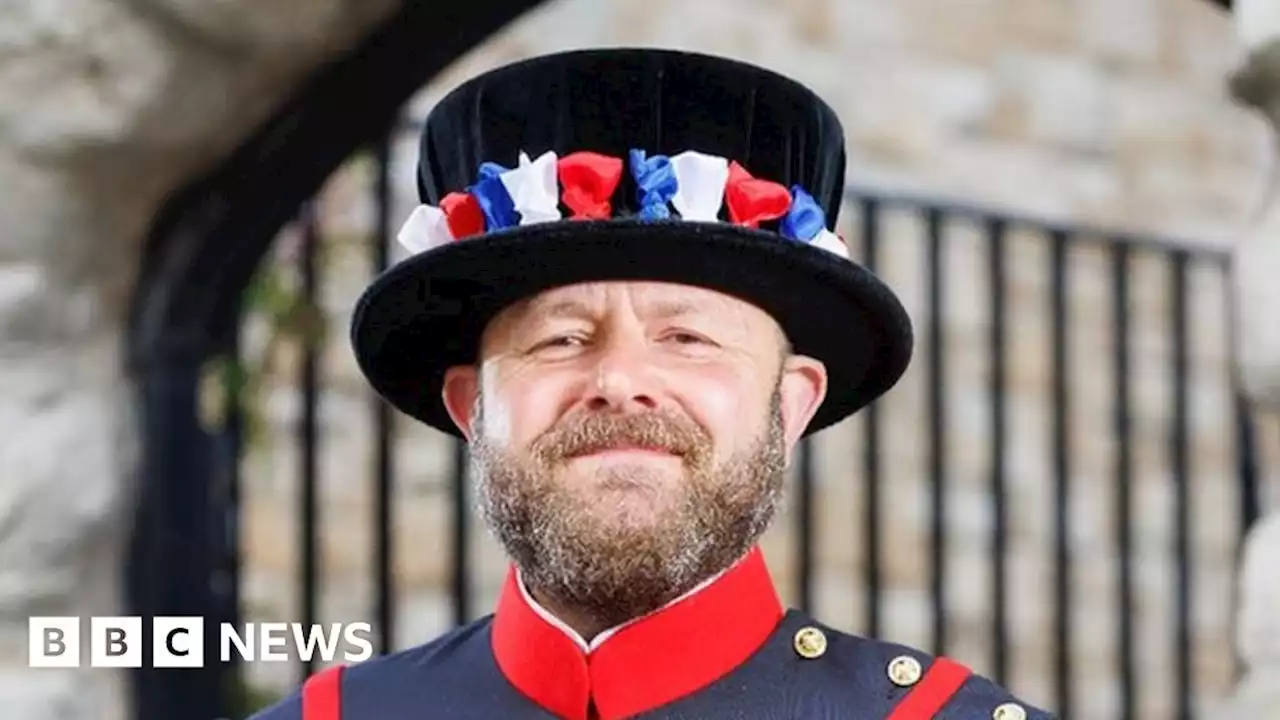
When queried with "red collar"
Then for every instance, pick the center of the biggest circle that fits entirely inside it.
(675, 651)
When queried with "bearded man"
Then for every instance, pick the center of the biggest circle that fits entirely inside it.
(633, 331)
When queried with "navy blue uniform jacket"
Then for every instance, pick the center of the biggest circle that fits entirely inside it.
(728, 651)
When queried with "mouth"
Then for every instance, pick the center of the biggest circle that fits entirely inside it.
(623, 450)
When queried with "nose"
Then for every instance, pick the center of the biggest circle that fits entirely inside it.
(625, 380)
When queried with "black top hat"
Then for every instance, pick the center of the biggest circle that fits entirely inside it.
(628, 164)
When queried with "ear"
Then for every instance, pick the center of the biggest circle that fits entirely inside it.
(461, 389)
(801, 390)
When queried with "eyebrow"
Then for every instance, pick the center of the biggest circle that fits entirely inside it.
(669, 309)
(663, 309)
(560, 308)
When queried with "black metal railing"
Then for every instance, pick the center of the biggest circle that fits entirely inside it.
(865, 219)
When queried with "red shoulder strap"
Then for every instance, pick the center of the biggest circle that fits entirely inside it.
(943, 680)
(322, 695)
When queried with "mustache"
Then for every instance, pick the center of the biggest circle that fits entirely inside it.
(593, 431)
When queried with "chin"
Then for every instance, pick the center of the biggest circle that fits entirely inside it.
(628, 499)
(641, 477)
(628, 515)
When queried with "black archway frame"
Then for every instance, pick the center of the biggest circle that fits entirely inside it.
(200, 255)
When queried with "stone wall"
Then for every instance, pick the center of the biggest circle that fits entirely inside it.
(104, 107)
(1257, 260)
(1106, 113)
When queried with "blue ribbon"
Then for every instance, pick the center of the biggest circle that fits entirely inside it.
(805, 219)
(656, 180)
(495, 202)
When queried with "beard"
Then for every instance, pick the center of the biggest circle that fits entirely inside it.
(604, 565)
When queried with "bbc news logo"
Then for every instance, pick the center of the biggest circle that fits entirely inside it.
(179, 642)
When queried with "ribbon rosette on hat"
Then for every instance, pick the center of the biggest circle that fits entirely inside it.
(700, 182)
(533, 188)
(425, 229)
(805, 221)
(752, 200)
(655, 182)
(589, 181)
(495, 200)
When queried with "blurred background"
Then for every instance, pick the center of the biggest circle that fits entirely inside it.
(1056, 494)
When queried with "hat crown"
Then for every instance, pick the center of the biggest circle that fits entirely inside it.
(613, 101)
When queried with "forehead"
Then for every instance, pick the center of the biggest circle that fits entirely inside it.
(644, 299)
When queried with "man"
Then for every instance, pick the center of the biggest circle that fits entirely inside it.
(633, 331)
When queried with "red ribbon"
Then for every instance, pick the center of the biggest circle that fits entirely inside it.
(589, 180)
(462, 212)
(752, 200)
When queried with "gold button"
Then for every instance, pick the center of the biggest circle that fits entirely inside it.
(905, 671)
(1009, 711)
(810, 642)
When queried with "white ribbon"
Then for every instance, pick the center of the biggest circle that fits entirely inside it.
(700, 181)
(426, 228)
(534, 188)
(830, 242)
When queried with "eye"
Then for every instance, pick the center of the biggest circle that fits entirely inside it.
(684, 337)
(560, 341)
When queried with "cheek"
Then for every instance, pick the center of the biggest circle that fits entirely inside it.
(522, 407)
(722, 401)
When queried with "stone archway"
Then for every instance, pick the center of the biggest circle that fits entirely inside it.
(110, 107)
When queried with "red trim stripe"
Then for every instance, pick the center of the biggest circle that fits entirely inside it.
(943, 680)
(322, 695)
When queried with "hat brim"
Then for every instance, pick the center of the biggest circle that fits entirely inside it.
(428, 312)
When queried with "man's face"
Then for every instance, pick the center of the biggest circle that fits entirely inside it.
(631, 438)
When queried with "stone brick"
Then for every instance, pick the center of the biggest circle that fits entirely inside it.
(868, 27)
(1202, 48)
(1064, 98)
(1046, 24)
(1128, 34)
(961, 31)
